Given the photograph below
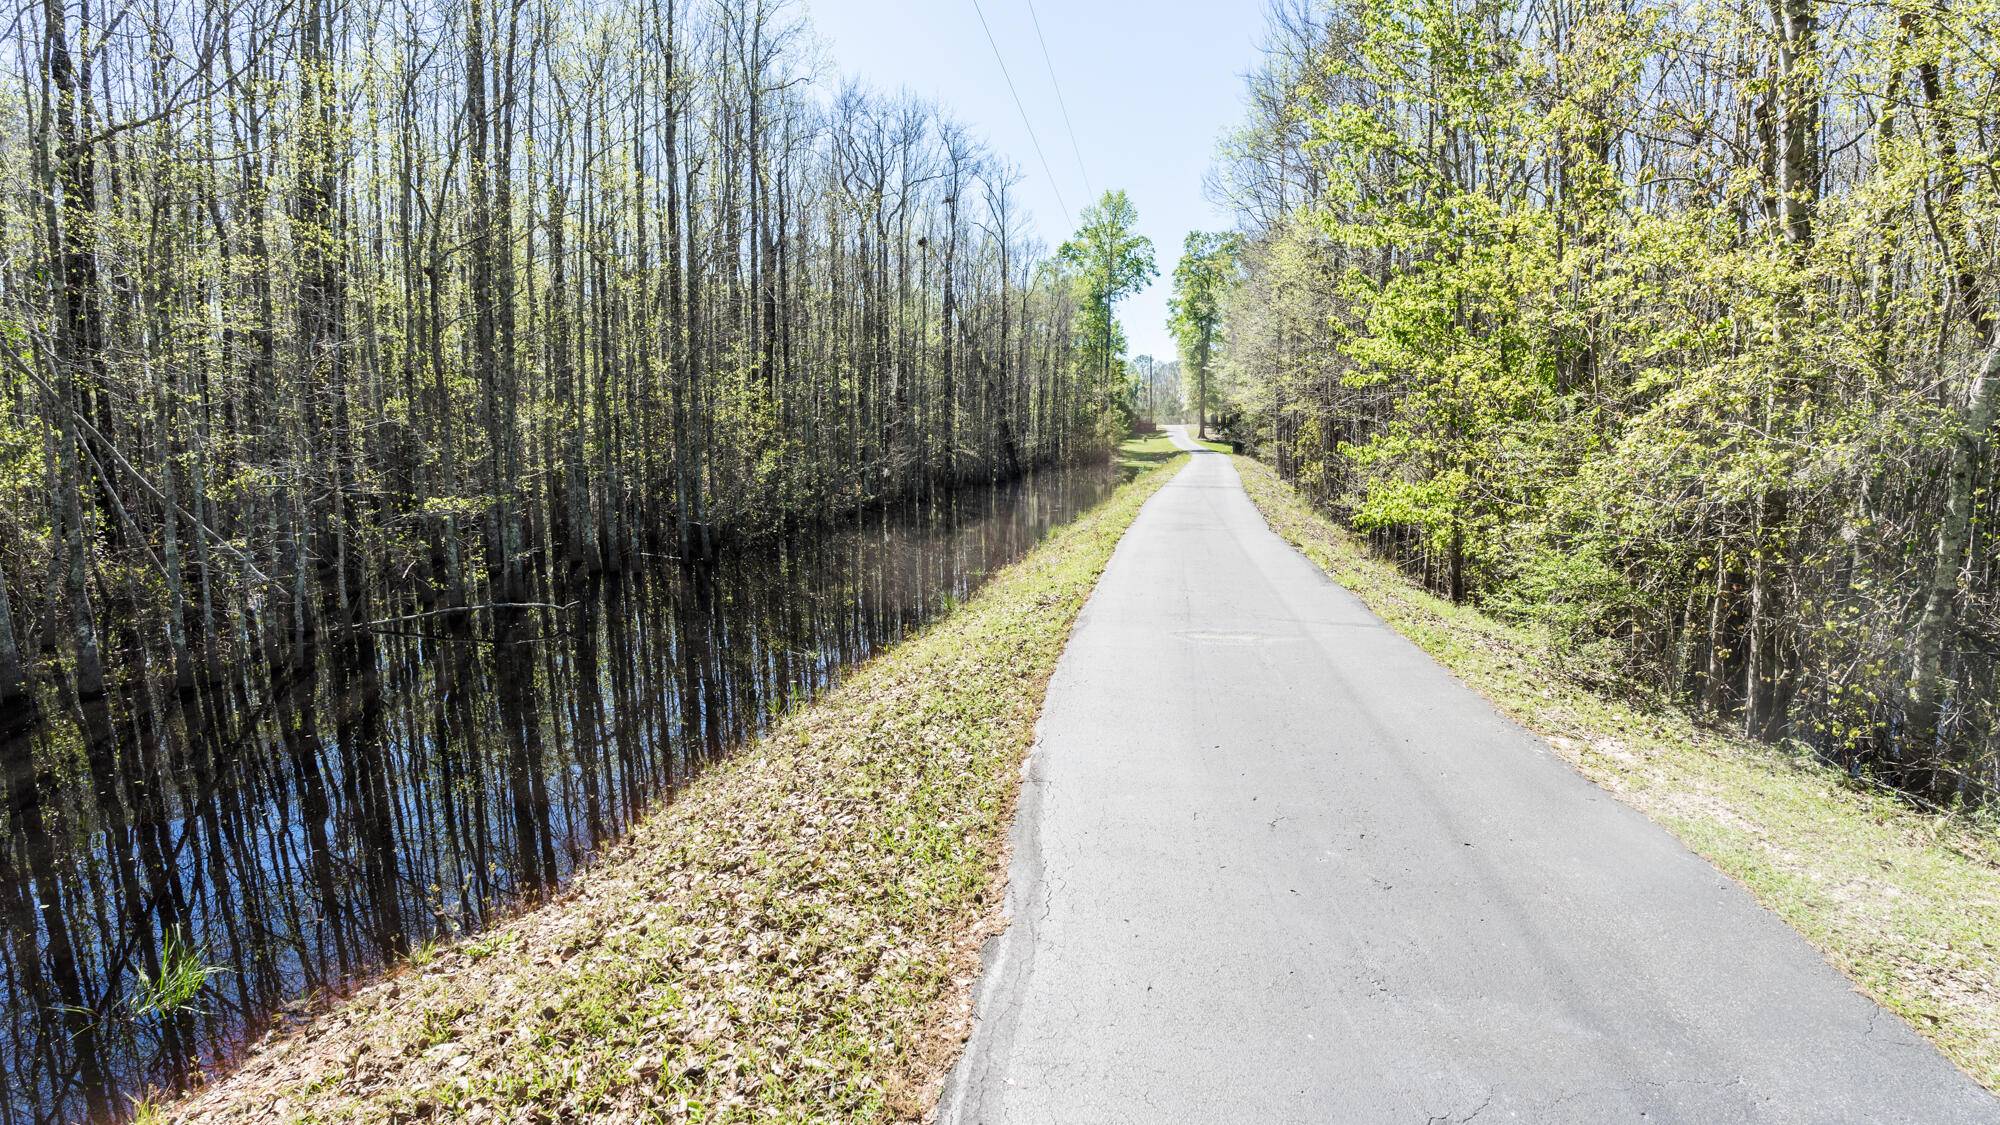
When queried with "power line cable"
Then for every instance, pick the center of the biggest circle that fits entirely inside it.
(1060, 100)
(1036, 141)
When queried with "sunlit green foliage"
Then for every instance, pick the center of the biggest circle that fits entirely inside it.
(1108, 261)
(1201, 279)
(1669, 330)
(178, 984)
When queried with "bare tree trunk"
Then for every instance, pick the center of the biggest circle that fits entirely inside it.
(13, 683)
(1927, 683)
(1797, 94)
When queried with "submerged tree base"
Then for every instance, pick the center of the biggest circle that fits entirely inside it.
(1905, 903)
(795, 936)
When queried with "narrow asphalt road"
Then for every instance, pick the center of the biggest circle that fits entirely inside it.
(1273, 864)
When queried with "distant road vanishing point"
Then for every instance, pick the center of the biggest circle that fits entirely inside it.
(1273, 864)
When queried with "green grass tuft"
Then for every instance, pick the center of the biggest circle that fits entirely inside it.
(180, 981)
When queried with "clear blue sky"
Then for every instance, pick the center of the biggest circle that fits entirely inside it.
(1150, 86)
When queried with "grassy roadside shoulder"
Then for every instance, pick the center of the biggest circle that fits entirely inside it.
(1142, 451)
(793, 938)
(1905, 903)
(1145, 451)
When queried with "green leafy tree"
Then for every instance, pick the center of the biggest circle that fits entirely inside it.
(1201, 281)
(1698, 375)
(1108, 262)
(1453, 329)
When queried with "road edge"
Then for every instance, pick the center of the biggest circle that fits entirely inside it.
(1006, 959)
(1904, 904)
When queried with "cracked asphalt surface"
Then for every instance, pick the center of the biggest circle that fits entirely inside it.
(1274, 864)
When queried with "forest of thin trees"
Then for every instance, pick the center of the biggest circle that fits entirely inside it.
(319, 313)
(1156, 389)
(348, 348)
(1669, 329)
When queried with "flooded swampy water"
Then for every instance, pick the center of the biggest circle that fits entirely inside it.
(298, 835)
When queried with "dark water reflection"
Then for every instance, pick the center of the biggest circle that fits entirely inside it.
(300, 834)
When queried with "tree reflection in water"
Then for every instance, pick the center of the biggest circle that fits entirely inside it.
(302, 824)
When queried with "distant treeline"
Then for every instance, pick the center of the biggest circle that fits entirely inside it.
(320, 312)
(1670, 328)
